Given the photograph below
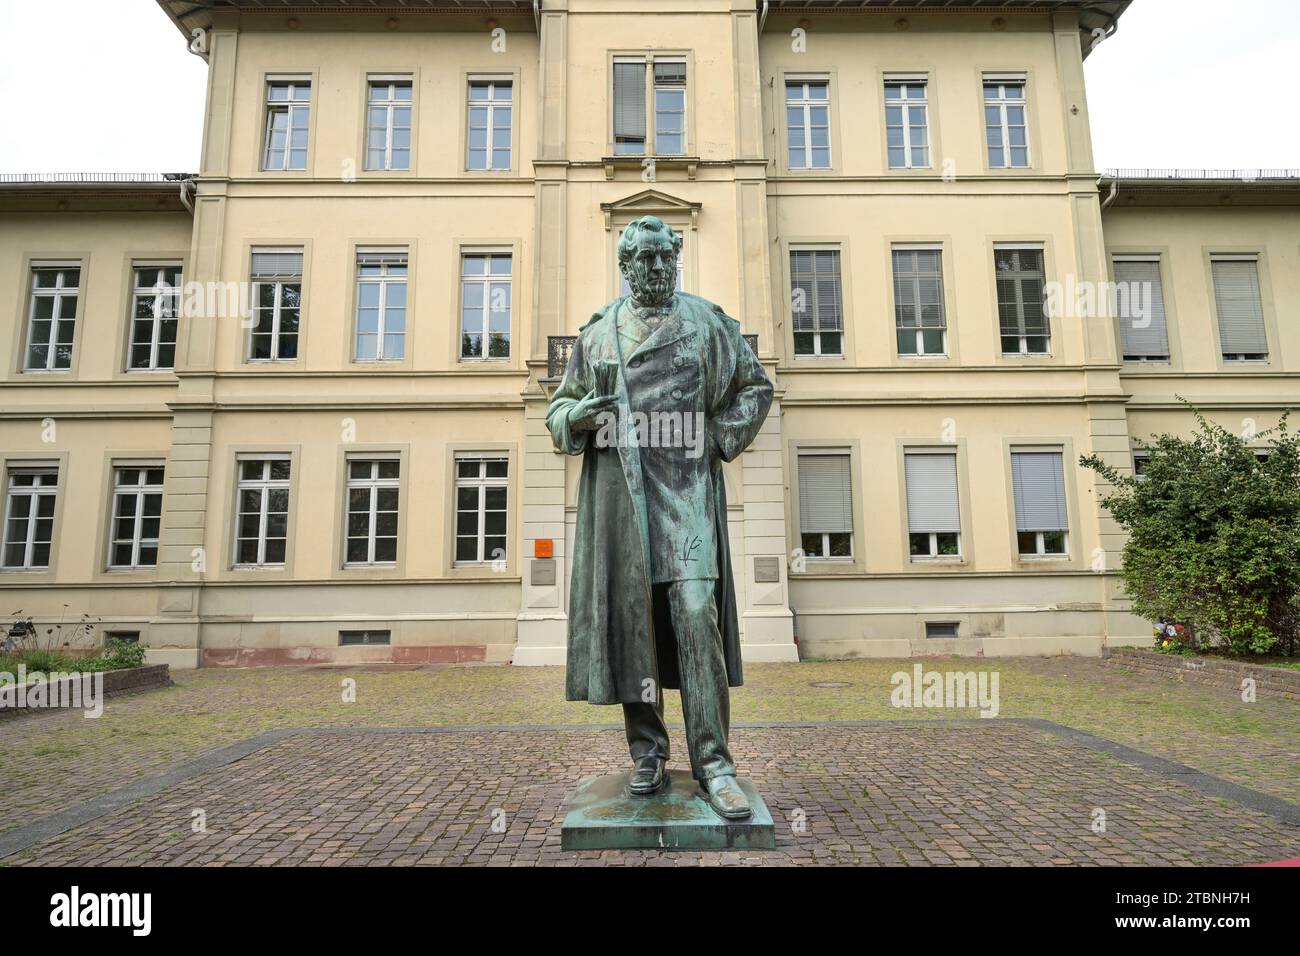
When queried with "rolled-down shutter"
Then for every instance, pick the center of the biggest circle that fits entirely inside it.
(932, 503)
(1141, 309)
(1038, 484)
(825, 494)
(277, 265)
(629, 101)
(1241, 313)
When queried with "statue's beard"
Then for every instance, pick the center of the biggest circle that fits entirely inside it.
(651, 290)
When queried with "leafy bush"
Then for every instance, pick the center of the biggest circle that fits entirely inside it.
(119, 653)
(1214, 535)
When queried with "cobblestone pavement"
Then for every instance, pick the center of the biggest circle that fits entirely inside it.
(986, 793)
(50, 762)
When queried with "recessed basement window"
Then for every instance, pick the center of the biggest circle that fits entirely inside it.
(940, 630)
(347, 638)
(130, 636)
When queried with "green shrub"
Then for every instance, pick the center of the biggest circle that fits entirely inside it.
(120, 653)
(1214, 535)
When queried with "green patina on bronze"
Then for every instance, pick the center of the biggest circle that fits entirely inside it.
(602, 816)
(660, 390)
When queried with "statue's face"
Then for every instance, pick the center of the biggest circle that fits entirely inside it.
(652, 270)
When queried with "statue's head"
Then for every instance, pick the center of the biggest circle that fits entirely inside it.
(647, 257)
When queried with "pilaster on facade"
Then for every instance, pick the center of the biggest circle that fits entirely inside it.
(767, 625)
(542, 621)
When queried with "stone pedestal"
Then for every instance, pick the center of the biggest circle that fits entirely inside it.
(603, 816)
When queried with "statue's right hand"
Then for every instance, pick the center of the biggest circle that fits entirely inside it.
(585, 415)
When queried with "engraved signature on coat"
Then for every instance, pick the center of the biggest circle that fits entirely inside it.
(689, 547)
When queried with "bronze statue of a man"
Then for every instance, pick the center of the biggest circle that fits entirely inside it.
(660, 390)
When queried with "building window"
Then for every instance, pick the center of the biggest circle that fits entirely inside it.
(933, 509)
(670, 107)
(942, 630)
(1141, 460)
(1242, 335)
(816, 302)
(372, 495)
(666, 101)
(262, 519)
(918, 302)
(1140, 297)
(277, 314)
(364, 638)
(381, 305)
(155, 305)
(29, 517)
(137, 514)
(489, 124)
(388, 124)
(826, 505)
(808, 123)
(1022, 301)
(52, 317)
(288, 114)
(907, 131)
(1038, 486)
(485, 297)
(481, 488)
(1005, 109)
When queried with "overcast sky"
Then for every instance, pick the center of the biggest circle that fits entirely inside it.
(1190, 83)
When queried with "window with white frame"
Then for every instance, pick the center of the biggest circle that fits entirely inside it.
(262, 510)
(907, 126)
(288, 117)
(137, 516)
(933, 507)
(52, 316)
(920, 323)
(277, 311)
(481, 496)
(664, 98)
(1242, 333)
(826, 504)
(1140, 308)
(373, 487)
(486, 294)
(489, 123)
(381, 305)
(625, 288)
(816, 302)
(29, 517)
(1005, 121)
(1038, 486)
(155, 305)
(388, 123)
(808, 122)
(1022, 300)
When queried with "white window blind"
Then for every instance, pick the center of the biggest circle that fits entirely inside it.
(629, 107)
(1038, 485)
(932, 504)
(1241, 312)
(825, 494)
(1142, 327)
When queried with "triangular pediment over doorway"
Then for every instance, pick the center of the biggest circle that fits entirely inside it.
(650, 202)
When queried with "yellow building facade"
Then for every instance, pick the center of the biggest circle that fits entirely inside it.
(290, 410)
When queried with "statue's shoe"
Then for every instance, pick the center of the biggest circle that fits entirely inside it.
(647, 777)
(727, 799)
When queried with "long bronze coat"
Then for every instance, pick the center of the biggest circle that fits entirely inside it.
(695, 361)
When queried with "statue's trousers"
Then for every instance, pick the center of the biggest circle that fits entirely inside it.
(686, 624)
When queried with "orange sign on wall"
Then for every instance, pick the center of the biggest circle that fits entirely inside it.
(542, 548)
